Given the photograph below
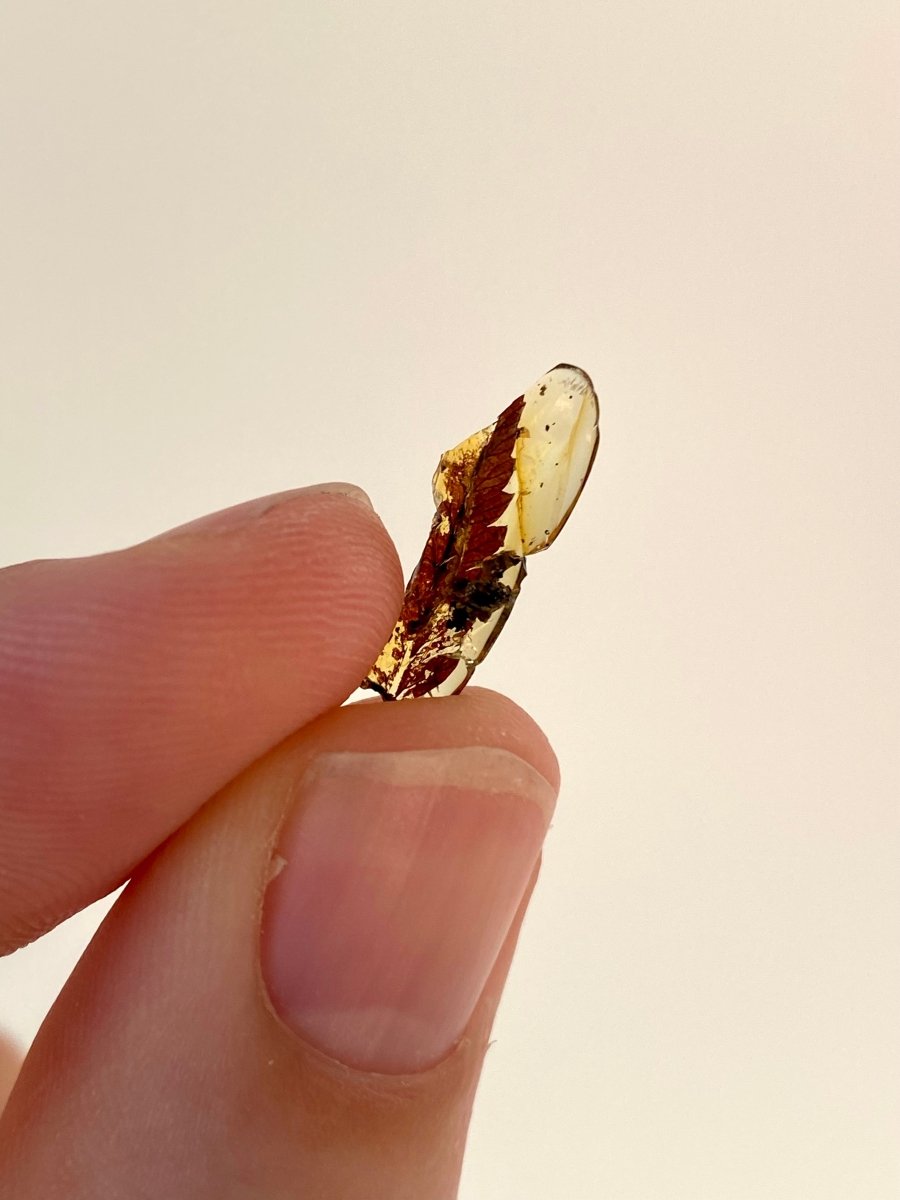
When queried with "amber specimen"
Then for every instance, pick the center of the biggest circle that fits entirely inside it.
(500, 495)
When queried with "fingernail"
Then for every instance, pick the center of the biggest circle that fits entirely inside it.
(396, 879)
(251, 510)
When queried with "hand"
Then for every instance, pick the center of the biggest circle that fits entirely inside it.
(293, 995)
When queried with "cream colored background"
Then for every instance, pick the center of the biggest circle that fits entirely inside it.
(245, 246)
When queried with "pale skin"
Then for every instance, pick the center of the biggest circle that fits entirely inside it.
(158, 706)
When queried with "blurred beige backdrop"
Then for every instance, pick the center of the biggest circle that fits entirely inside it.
(248, 246)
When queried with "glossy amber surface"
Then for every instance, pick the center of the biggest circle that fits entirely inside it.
(500, 495)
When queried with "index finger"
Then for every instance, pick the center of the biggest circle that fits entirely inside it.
(133, 685)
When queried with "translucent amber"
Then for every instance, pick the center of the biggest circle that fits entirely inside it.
(500, 495)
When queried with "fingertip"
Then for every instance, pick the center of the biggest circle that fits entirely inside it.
(134, 684)
(235, 516)
(508, 718)
(477, 716)
(181, 967)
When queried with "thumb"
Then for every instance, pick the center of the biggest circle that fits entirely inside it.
(293, 996)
